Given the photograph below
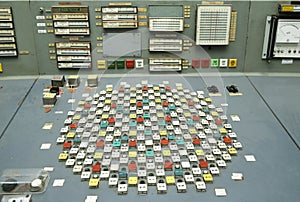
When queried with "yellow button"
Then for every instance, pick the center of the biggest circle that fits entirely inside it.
(199, 152)
(187, 114)
(94, 182)
(63, 156)
(70, 135)
(157, 100)
(222, 130)
(163, 132)
(107, 102)
(182, 100)
(109, 89)
(193, 131)
(132, 180)
(215, 114)
(132, 154)
(208, 99)
(98, 155)
(166, 153)
(232, 151)
(232, 63)
(81, 102)
(102, 133)
(132, 101)
(170, 179)
(160, 115)
(133, 89)
(208, 177)
(132, 133)
(179, 88)
(132, 116)
(104, 116)
(76, 117)
(155, 88)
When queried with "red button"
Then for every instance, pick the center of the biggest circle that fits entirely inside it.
(100, 143)
(121, 89)
(132, 143)
(168, 88)
(203, 164)
(196, 141)
(227, 140)
(191, 103)
(168, 118)
(67, 145)
(96, 168)
(113, 105)
(130, 64)
(205, 63)
(196, 118)
(196, 63)
(111, 120)
(168, 165)
(165, 104)
(139, 104)
(145, 88)
(218, 122)
(140, 119)
(73, 125)
(164, 142)
(132, 167)
(87, 105)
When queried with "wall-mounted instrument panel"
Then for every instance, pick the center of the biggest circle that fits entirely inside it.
(62, 37)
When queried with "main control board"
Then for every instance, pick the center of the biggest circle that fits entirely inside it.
(64, 37)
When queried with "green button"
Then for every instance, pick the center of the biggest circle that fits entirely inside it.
(120, 64)
(214, 62)
(111, 65)
(148, 132)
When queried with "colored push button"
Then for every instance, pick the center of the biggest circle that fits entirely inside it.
(102, 133)
(160, 115)
(109, 90)
(67, 145)
(120, 64)
(196, 141)
(149, 153)
(168, 165)
(208, 100)
(218, 122)
(132, 143)
(108, 102)
(145, 101)
(94, 182)
(196, 63)
(132, 154)
(103, 124)
(133, 101)
(227, 140)
(96, 168)
(222, 131)
(170, 180)
(203, 163)
(132, 124)
(157, 100)
(113, 105)
(111, 64)
(166, 153)
(117, 143)
(130, 64)
(111, 120)
(192, 131)
(215, 114)
(168, 118)
(205, 63)
(156, 88)
(196, 118)
(132, 116)
(168, 88)
(144, 88)
(146, 116)
(164, 142)
(76, 117)
(100, 143)
(208, 178)
(132, 167)
(163, 133)
(232, 63)
(140, 119)
(98, 155)
(104, 116)
(87, 105)
(121, 89)
(132, 133)
(63, 156)
(179, 88)
(132, 180)
(199, 152)
(232, 151)
(214, 63)
(139, 104)
(70, 135)
(191, 103)
(165, 104)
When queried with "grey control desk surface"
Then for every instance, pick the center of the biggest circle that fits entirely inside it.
(275, 175)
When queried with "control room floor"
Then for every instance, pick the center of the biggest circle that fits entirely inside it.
(269, 129)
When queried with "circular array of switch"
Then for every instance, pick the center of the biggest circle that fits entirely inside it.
(147, 135)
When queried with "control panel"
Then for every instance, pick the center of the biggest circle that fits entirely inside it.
(116, 37)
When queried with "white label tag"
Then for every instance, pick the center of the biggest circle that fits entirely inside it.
(287, 61)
